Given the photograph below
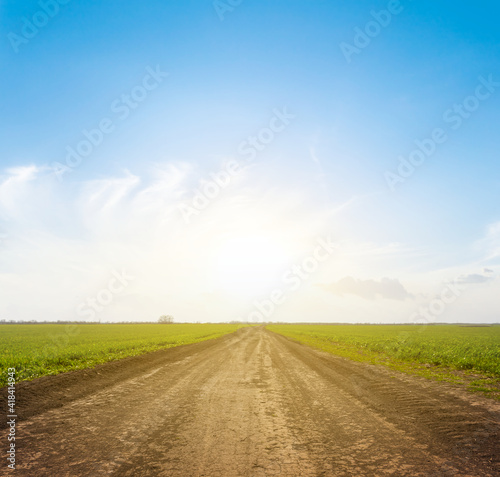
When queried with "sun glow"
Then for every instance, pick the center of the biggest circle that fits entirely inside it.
(249, 265)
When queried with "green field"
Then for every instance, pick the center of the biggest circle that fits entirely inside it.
(451, 352)
(39, 350)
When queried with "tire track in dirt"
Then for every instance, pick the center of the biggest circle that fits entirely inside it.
(234, 427)
(372, 421)
(96, 434)
(258, 404)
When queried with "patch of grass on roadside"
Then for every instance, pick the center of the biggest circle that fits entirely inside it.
(46, 349)
(452, 353)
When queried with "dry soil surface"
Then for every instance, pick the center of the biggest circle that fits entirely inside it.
(251, 404)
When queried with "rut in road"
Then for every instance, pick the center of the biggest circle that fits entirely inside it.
(257, 404)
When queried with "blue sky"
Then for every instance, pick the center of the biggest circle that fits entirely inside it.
(225, 72)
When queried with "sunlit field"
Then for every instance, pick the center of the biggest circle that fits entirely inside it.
(39, 350)
(475, 350)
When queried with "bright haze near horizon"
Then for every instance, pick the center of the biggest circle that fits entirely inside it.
(308, 161)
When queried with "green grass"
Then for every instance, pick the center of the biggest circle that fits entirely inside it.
(454, 353)
(45, 349)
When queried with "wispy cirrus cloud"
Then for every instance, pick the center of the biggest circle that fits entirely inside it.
(64, 239)
(489, 245)
(13, 186)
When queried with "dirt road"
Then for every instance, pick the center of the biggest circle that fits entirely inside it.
(252, 404)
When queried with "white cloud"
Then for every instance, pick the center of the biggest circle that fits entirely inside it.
(387, 288)
(13, 187)
(489, 245)
(64, 240)
(67, 241)
(473, 278)
(105, 193)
